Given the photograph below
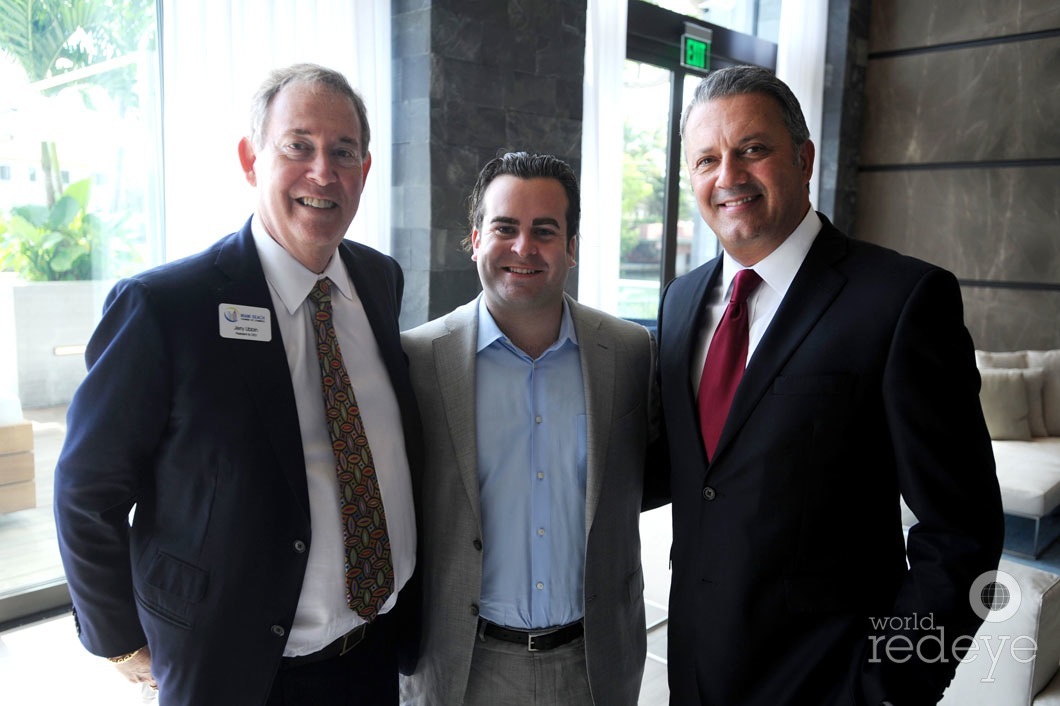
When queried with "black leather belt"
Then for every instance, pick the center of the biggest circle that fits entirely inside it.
(535, 640)
(336, 649)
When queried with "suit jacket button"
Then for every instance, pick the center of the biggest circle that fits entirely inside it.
(474, 610)
(477, 544)
(299, 546)
(709, 493)
(278, 631)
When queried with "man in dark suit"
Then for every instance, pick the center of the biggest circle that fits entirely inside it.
(790, 577)
(202, 415)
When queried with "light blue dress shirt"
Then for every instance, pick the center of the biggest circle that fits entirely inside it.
(530, 428)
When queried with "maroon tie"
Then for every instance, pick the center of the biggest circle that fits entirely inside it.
(726, 359)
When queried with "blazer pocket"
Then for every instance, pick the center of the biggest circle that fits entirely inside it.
(635, 582)
(174, 586)
(831, 384)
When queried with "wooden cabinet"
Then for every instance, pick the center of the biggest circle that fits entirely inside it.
(18, 489)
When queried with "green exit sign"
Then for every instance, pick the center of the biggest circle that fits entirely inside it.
(695, 53)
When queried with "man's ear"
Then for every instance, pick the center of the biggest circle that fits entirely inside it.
(365, 166)
(247, 156)
(806, 153)
(475, 239)
(572, 250)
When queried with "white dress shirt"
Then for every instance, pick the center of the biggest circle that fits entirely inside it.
(322, 614)
(777, 271)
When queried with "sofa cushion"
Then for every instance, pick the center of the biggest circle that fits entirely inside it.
(1049, 361)
(1029, 475)
(1034, 378)
(1004, 398)
(1002, 359)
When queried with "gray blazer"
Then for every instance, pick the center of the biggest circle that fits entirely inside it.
(617, 359)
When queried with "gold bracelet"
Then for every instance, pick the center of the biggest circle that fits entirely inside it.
(125, 658)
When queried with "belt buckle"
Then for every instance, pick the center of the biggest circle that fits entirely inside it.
(351, 640)
(530, 647)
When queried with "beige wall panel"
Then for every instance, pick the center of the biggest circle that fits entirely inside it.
(982, 224)
(905, 24)
(1012, 320)
(997, 102)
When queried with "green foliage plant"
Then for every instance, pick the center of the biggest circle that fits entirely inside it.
(45, 244)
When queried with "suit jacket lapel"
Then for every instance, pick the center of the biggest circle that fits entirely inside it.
(454, 361)
(812, 291)
(264, 365)
(688, 323)
(598, 380)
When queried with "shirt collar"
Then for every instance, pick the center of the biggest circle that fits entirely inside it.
(489, 332)
(291, 280)
(779, 267)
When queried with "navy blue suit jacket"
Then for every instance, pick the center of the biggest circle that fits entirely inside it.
(201, 434)
(789, 541)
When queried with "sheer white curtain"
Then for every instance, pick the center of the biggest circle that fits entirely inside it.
(215, 53)
(602, 148)
(800, 64)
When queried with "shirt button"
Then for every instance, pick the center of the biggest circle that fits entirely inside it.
(540, 475)
(540, 585)
(537, 419)
(709, 493)
(278, 630)
(540, 531)
(299, 546)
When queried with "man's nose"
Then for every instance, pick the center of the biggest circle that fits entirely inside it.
(524, 245)
(321, 169)
(731, 172)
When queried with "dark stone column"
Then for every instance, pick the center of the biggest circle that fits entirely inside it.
(473, 78)
(846, 56)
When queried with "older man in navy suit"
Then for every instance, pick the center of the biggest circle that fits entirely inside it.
(840, 376)
(203, 414)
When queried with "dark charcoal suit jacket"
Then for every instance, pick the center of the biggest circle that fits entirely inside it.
(789, 542)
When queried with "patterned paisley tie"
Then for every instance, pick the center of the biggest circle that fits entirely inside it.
(369, 570)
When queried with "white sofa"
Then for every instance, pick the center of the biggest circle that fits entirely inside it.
(1021, 402)
(1015, 659)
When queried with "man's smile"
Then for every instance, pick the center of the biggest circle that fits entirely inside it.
(316, 203)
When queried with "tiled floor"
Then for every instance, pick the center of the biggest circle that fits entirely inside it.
(43, 664)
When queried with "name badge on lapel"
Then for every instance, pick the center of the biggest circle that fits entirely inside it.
(248, 323)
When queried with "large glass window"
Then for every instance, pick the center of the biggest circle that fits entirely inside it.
(758, 18)
(81, 173)
(80, 206)
(644, 196)
(662, 233)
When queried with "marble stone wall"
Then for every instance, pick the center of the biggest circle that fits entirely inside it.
(843, 104)
(960, 155)
(473, 78)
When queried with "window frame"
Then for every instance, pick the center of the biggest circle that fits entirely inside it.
(653, 36)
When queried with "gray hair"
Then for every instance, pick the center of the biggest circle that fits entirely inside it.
(303, 73)
(743, 80)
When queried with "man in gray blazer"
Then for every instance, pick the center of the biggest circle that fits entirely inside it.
(537, 414)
